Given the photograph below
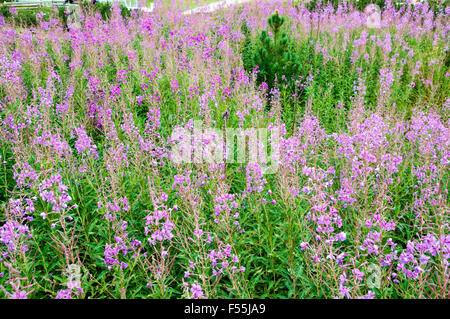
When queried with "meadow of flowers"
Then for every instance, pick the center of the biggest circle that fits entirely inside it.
(93, 206)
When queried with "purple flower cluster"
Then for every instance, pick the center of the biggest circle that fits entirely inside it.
(84, 143)
(158, 224)
(223, 260)
(54, 192)
(255, 178)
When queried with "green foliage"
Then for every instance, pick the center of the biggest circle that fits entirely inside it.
(359, 4)
(62, 15)
(25, 17)
(6, 173)
(274, 56)
(4, 11)
(104, 8)
(247, 48)
(436, 5)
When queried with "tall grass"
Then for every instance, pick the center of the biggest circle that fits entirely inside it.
(358, 207)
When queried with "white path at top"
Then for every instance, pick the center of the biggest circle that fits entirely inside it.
(148, 9)
(203, 9)
(215, 6)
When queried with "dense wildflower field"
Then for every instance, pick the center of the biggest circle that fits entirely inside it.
(98, 198)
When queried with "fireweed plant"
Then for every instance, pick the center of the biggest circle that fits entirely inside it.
(358, 205)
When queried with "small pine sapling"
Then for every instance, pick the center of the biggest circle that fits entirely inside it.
(274, 56)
